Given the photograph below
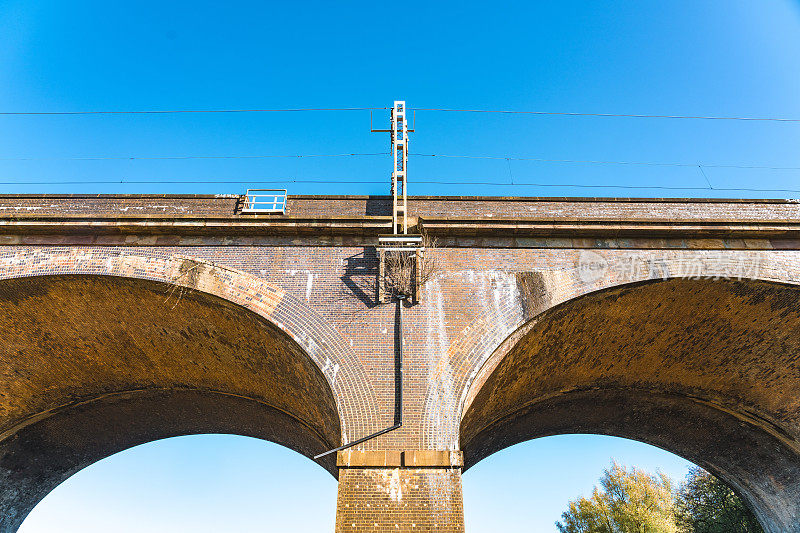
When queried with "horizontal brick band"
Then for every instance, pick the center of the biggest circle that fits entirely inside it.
(175, 226)
(397, 459)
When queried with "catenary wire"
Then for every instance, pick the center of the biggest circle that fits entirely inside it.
(608, 162)
(372, 154)
(451, 110)
(421, 182)
(606, 115)
(181, 157)
(187, 111)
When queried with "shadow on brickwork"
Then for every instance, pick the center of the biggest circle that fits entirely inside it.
(378, 206)
(360, 278)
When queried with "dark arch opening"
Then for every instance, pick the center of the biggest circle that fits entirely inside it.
(92, 365)
(706, 369)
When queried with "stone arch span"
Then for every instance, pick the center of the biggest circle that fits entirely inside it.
(522, 293)
(103, 351)
(708, 369)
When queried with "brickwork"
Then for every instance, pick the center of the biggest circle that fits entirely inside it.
(126, 205)
(520, 295)
(400, 499)
(430, 207)
(323, 343)
(317, 285)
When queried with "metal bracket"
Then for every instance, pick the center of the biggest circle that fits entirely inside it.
(410, 130)
(402, 243)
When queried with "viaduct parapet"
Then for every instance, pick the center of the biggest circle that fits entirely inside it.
(129, 318)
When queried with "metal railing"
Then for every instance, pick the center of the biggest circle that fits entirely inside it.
(265, 201)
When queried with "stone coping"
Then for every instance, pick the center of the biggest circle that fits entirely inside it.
(627, 199)
(400, 459)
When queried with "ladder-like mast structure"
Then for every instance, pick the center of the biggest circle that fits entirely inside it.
(399, 241)
(399, 135)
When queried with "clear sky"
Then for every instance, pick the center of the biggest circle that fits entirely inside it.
(684, 57)
(220, 483)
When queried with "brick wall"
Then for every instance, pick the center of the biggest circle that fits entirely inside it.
(323, 296)
(618, 209)
(400, 499)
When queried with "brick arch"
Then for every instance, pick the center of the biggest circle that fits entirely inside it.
(486, 339)
(706, 368)
(87, 408)
(354, 394)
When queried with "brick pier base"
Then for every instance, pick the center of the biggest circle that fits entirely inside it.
(400, 491)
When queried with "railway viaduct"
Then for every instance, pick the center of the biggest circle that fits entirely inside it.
(130, 318)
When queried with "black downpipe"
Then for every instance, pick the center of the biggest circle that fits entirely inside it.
(398, 385)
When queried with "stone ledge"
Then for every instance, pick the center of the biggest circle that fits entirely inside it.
(89, 226)
(621, 227)
(398, 459)
(433, 458)
(361, 459)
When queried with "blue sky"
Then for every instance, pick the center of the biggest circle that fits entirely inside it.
(685, 57)
(213, 483)
(724, 57)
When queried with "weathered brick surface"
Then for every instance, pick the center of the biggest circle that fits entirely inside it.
(400, 499)
(615, 209)
(128, 205)
(324, 344)
(483, 305)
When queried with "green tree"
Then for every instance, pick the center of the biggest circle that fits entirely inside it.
(705, 504)
(629, 501)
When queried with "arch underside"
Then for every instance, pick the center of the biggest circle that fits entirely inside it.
(92, 365)
(706, 369)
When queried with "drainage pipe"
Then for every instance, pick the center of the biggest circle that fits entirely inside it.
(398, 395)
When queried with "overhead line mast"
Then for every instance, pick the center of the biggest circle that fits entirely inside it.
(398, 135)
(400, 154)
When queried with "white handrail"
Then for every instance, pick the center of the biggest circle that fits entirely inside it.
(265, 201)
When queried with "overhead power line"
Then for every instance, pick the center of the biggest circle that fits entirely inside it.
(381, 182)
(450, 110)
(611, 115)
(607, 162)
(179, 111)
(180, 157)
(375, 154)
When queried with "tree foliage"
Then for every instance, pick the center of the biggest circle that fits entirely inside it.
(705, 504)
(633, 501)
(629, 501)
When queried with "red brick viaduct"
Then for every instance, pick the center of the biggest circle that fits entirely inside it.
(126, 319)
